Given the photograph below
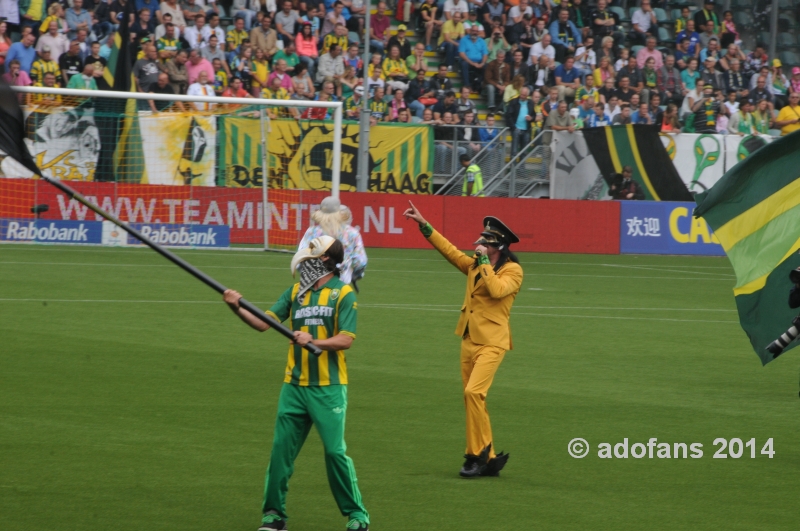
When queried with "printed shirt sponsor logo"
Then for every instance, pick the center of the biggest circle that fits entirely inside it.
(314, 311)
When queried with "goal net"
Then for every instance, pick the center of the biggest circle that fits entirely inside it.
(198, 172)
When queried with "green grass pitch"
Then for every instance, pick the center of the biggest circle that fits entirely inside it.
(132, 399)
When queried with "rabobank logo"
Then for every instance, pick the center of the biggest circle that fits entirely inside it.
(184, 235)
(47, 231)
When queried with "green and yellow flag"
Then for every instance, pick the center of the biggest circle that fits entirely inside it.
(755, 213)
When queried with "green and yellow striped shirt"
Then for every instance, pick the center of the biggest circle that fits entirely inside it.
(323, 313)
(41, 67)
(331, 39)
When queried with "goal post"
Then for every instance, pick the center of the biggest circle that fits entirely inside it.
(252, 168)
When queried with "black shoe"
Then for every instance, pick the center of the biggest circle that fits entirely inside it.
(272, 522)
(475, 464)
(494, 466)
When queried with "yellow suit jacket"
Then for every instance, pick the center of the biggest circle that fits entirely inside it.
(489, 296)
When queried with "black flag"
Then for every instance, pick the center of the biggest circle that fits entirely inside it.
(12, 129)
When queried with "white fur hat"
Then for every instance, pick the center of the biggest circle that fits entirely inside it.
(316, 248)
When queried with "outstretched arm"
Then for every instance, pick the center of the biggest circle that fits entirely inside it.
(461, 261)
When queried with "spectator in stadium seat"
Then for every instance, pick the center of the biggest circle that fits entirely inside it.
(624, 91)
(474, 56)
(711, 75)
(172, 8)
(289, 56)
(395, 70)
(161, 29)
(331, 66)
(561, 120)
(377, 107)
(396, 104)
(162, 86)
(449, 39)
(689, 33)
(379, 28)
(338, 36)
(598, 118)
(32, 13)
(144, 25)
(567, 79)
(306, 45)
(146, 70)
(375, 80)
(168, 45)
(464, 104)
(16, 76)
(84, 80)
(265, 37)
(213, 52)
(705, 111)
(285, 22)
(446, 137)
(755, 60)
(650, 51)
(451, 7)
(471, 21)
(77, 18)
(789, 117)
(427, 13)
(190, 10)
(440, 84)
(353, 59)
(46, 99)
(417, 89)
(447, 105)
(734, 79)
(54, 40)
(605, 23)
(177, 72)
(195, 64)
(220, 77)
(401, 41)
(706, 15)
(236, 37)
(497, 77)
(712, 50)
(612, 108)
(43, 65)
(235, 90)
(278, 92)
(670, 86)
(417, 61)
(352, 105)
(732, 52)
(643, 23)
(543, 47)
(519, 118)
(70, 63)
(196, 34)
(565, 36)
(201, 87)
(682, 55)
(303, 83)
(333, 18)
(624, 116)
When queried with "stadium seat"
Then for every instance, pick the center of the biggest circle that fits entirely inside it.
(789, 59)
(786, 39)
(742, 4)
(785, 4)
(631, 11)
(620, 13)
(662, 17)
(763, 37)
(635, 49)
(743, 19)
(665, 35)
(676, 14)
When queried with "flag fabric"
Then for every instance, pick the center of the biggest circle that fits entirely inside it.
(118, 68)
(754, 211)
(639, 147)
(12, 129)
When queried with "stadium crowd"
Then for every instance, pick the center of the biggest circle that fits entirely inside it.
(545, 64)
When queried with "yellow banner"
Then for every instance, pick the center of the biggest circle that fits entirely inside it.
(301, 155)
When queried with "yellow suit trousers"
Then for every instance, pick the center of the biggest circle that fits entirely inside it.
(478, 365)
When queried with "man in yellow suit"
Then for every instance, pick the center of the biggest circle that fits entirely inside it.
(494, 277)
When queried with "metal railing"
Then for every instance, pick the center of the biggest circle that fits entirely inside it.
(489, 158)
(448, 151)
(524, 172)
